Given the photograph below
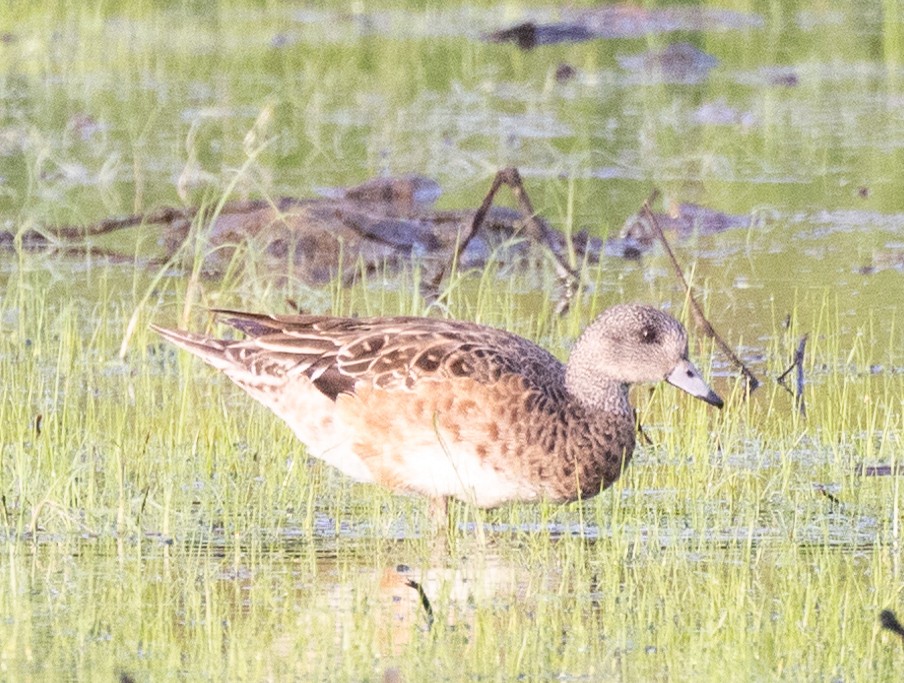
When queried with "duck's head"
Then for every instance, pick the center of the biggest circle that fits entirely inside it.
(632, 343)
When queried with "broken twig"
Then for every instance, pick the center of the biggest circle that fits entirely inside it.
(797, 363)
(640, 430)
(699, 318)
(833, 499)
(890, 622)
(166, 214)
(535, 230)
(425, 601)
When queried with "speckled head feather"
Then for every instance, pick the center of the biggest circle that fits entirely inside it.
(627, 344)
(454, 409)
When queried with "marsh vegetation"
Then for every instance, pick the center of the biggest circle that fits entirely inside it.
(156, 524)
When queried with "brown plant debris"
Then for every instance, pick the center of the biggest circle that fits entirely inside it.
(384, 223)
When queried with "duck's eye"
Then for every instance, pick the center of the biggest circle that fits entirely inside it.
(648, 335)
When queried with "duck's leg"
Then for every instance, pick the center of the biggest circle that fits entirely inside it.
(439, 514)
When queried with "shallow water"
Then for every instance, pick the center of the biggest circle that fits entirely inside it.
(159, 527)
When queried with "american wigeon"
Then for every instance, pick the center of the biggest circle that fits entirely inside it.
(452, 409)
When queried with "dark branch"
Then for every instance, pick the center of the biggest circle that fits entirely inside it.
(798, 364)
(699, 318)
(535, 230)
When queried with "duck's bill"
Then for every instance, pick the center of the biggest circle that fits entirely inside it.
(687, 378)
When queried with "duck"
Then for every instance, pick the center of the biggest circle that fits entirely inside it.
(450, 409)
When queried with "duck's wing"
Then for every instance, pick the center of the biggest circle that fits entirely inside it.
(339, 354)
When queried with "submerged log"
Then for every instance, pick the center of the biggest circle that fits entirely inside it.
(638, 234)
(384, 223)
(622, 21)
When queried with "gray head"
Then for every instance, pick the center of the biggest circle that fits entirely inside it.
(632, 343)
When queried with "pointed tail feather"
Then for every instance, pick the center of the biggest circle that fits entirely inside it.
(211, 351)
